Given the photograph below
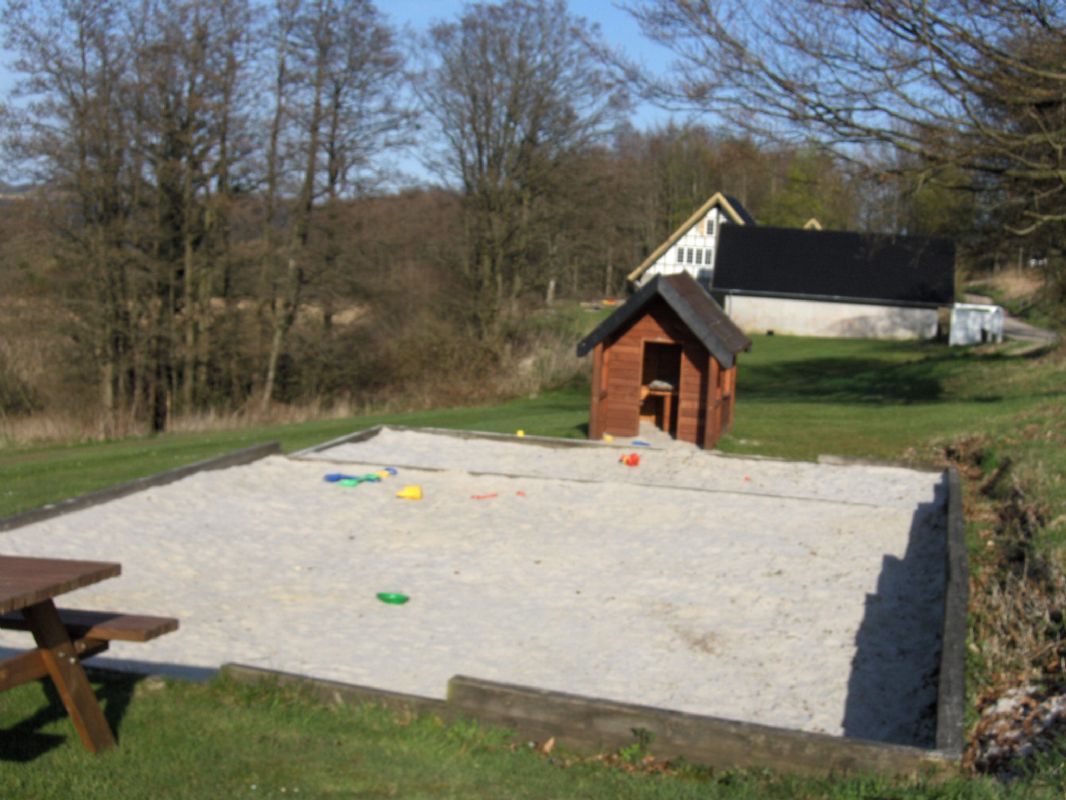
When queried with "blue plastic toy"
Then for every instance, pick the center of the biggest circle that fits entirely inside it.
(334, 477)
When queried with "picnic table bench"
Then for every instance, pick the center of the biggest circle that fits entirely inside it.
(65, 637)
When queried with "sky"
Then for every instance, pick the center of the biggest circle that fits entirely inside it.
(617, 27)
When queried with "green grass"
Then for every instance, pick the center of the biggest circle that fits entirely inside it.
(797, 398)
(221, 739)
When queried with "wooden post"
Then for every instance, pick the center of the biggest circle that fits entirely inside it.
(597, 394)
(61, 661)
(729, 390)
(712, 419)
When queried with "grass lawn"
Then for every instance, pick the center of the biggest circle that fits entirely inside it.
(797, 398)
(224, 740)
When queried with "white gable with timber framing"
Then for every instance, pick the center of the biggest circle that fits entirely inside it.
(693, 247)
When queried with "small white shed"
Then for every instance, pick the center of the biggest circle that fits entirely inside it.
(974, 323)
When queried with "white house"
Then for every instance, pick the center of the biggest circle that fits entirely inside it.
(809, 282)
(693, 247)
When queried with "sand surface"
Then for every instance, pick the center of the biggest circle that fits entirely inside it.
(798, 595)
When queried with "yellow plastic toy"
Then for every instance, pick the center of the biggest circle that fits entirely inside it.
(410, 493)
(520, 433)
(608, 438)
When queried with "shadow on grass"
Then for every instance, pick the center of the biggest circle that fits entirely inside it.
(25, 741)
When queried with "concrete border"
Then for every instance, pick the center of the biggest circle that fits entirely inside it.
(234, 459)
(587, 724)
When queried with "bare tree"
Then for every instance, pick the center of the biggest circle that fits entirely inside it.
(337, 75)
(920, 77)
(72, 127)
(514, 88)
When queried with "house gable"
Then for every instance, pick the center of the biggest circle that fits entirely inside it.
(692, 247)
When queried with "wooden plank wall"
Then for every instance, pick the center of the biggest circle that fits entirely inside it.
(721, 400)
(690, 397)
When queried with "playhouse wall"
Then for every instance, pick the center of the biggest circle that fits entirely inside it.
(621, 415)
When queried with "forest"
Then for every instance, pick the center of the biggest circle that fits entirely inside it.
(203, 214)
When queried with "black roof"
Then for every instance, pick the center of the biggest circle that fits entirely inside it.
(697, 309)
(835, 265)
(741, 211)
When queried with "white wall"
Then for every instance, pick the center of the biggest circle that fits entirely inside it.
(695, 241)
(821, 318)
(973, 324)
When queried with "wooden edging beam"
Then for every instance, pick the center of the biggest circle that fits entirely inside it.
(237, 458)
(594, 725)
(529, 440)
(951, 691)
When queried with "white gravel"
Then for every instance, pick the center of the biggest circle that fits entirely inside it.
(791, 594)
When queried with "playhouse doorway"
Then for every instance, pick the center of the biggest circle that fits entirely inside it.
(660, 378)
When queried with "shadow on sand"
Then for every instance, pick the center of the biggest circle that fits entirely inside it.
(892, 689)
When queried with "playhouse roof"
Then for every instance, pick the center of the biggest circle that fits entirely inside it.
(730, 206)
(836, 265)
(696, 309)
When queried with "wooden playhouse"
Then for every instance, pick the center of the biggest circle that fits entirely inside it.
(669, 356)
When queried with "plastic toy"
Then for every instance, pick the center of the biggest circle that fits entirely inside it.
(520, 433)
(640, 443)
(630, 459)
(484, 496)
(393, 598)
(336, 477)
(350, 481)
(410, 493)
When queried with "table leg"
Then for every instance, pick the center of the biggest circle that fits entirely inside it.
(58, 654)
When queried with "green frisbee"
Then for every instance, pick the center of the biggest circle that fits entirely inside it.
(393, 598)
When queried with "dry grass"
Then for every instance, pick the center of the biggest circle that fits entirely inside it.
(51, 426)
(255, 415)
(1014, 283)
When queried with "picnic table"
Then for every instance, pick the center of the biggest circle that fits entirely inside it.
(64, 638)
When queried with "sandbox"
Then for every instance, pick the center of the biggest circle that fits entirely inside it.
(801, 596)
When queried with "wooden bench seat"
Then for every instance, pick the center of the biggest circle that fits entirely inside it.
(107, 626)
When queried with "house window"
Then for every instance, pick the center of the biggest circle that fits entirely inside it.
(680, 255)
(690, 255)
(710, 226)
(707, 257)
(699, 255)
